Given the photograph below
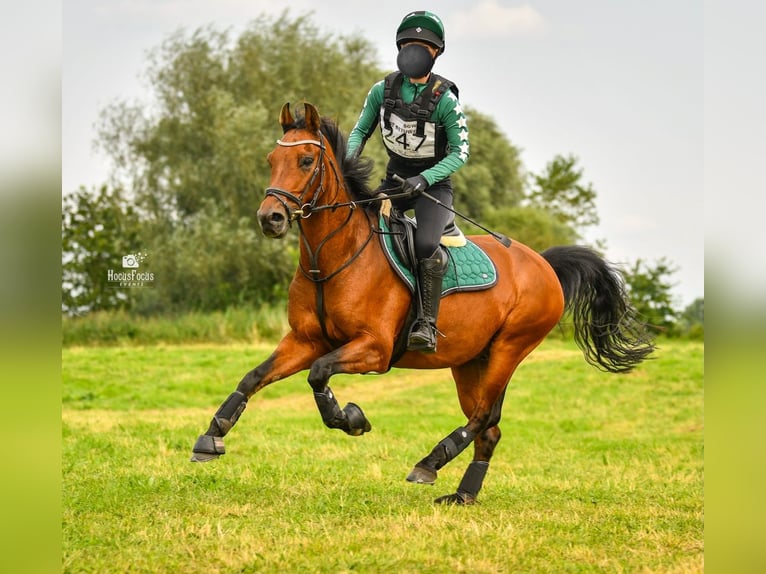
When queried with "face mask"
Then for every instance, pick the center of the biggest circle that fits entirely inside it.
(414, 61)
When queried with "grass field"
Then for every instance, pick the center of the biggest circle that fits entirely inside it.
(595, 472)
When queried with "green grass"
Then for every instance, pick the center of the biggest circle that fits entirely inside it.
(238, 324)
(595, 472)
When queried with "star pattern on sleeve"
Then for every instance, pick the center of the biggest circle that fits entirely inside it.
(462, 123)
(464, 151)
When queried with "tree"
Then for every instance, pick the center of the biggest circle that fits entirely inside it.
(207, 135)
(98, 228)
(559, 190)
(214, 262)
(195, 157)
(649, 291)
(691, 323)
(493, 177)
(532, 226)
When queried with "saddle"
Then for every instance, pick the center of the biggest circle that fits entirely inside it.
(469, 267)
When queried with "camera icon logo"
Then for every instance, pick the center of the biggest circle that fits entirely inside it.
(129, 262)
(133, 260)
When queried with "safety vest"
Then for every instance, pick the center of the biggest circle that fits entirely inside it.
(413, 140)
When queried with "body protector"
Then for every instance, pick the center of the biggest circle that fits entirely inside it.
(413, 140)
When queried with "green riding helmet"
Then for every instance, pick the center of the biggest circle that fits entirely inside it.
(421, 25)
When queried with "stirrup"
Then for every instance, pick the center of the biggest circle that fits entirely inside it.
(423, 341)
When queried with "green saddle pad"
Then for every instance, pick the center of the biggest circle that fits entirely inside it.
(469, 269)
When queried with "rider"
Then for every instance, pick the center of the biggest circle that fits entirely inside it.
(425, 134)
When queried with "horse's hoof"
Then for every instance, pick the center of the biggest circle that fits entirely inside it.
(207, 448)
(357, 422)
(458, 498)
(203, 457)
(420, 475)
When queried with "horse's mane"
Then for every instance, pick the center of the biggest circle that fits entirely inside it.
(356, 170)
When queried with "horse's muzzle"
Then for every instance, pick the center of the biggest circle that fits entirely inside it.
(274, 222)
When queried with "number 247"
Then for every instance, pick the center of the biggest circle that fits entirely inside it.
(404, 141)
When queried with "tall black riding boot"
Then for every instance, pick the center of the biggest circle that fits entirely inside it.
(430, 274)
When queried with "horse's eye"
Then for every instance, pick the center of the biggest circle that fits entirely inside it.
(306, 161)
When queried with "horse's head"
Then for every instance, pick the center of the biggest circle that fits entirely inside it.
(298, 166)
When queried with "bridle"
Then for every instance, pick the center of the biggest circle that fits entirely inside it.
(306, 209)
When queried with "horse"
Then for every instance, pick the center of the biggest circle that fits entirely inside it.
(346, 306)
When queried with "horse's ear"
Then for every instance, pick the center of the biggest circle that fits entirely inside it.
(286, 117)
(313, 121)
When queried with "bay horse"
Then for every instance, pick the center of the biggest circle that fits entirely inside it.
(346, 306)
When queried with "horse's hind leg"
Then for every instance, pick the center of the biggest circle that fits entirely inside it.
(470, 484)
(481, 386)
(480, 396)
(484, 447)
(425, 472)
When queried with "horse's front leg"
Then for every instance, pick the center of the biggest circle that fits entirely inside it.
(361, 355)
(291, 355)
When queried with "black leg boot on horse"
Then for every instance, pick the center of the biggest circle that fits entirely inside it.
(210, 445)
(350, 419)
(430, 274)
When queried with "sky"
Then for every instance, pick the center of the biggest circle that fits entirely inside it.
(619, 85)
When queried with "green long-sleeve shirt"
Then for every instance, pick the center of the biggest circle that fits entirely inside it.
(448, 113)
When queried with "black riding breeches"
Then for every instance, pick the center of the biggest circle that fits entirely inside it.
(432, 218)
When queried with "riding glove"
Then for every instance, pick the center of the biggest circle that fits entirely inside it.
(415, 185)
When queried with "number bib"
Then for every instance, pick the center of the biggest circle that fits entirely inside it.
(401, 138)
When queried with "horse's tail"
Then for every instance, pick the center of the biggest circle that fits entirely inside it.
(606, 325)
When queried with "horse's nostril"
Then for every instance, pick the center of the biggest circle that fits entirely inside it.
(273, 222)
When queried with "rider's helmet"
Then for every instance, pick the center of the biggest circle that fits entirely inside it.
(421, 25)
